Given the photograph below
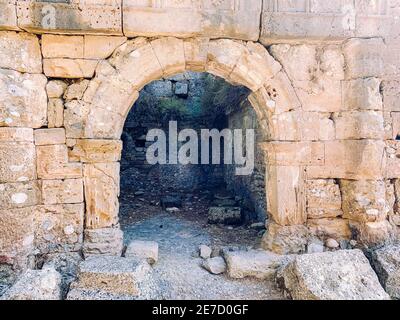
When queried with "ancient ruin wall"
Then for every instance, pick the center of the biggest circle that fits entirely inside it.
(325, 83)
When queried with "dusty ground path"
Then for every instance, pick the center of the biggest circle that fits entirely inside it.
(179, 235)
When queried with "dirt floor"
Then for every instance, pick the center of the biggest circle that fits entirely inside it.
(179, 235)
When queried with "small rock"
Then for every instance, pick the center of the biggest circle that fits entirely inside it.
(353, 243)
(172, 209)
(143, 250)
(215, 265)
(332, 244)
(315, 246)
(205, 251)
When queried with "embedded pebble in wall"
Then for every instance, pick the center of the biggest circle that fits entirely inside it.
(19, 198)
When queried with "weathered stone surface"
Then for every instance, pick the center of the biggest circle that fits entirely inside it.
(224, 215)
(42, 284)
(285, 239)
(231, 19)
(45, 137)
(196, 51)
(57, 46)
(101, 194)
(170, 54)
(59, 228)
(17, 235)
(386, 262)
(55, 88)
(362, 94)
(55, 113)
(215, 265)
(107, 241)
(19, 195)
(69, 68)
(17, 109)
(364, 201)
(16, 134)
(340, 275)
(391, 95)
(335, 228)
(75, 17)
(100, 47)
(95, 151)
(147, 250)
(205, 251)
(25, 49)
(17, 162)
(62, 191)
(8, 15)
(113, 274)
(373, 234)
(52, 163)
(76, 90)
(323, 199)
(392, 159)
(253, 263)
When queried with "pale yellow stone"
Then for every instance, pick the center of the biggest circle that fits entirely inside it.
(16, 134)
(326, 228)
(55, 113)
(62, 191)
(69, 68)
(395, 116)
(362, 94)
(89, 150)
(373, 234)
(101, 194)
(55, 88)
(57, 46)
(19, 195)
(392, 156)
(101, 47)
(76, 90)
(196, 51)
(8, 15)
(49, 136)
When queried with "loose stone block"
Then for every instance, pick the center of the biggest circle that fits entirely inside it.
(224, 215)
(56, 46)
(59, 228)
(101, 194)
(62, 191)
(147, 250)
(20, 52)
(52, 163)
(49, 136)
(335, 228)
(362, 94)
(42, 284)
(17, 109)
(323, 199)
(19, 195)
(364, 201)
(16, 134)
(69, 68)
(94, 151)
(55, 113)
(320, 276)
(253, 263)
(106, 241)
(101, 47)
(17, 162)
(55, 88)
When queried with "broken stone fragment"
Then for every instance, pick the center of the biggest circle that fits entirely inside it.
(215, 265)
(205, 251)
(225, 215)
(147, 250)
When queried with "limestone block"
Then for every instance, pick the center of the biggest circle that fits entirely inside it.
(57, 46)
(323, 199)
(330, 228)
(395, 117)
(373, 234)
(351, 159)
(285, 195)
(37, 285)
(364, 201)
(69, 68)
(317, 126)
(320, 276)
(285, 126)
(52, 163)
(364, 58)
(138, 55)
(20, 52)
(17, 235)
(16, 134)
(362, 94)
(59, 228)
(391, 95)
(393, 159)
(106, 241)
(293, 153)
(17, 109)
(74, 16)
(101, 182)
(49, 136)
(228, 19)
(55, 113)
(223, 56)
(170, 54)
(76, 90)
(8, 15)
(147, 250)
(255, 67)
(68, 191)
(17, 162)
(19, 195)
(89, 150)
(101, 47)
(285, 239)
(56, 88)
(196, 51)
(359, 125)
(75, 115)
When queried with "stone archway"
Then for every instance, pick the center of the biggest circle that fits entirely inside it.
(111, 93)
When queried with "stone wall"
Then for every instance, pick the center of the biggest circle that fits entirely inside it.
(325, 91)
